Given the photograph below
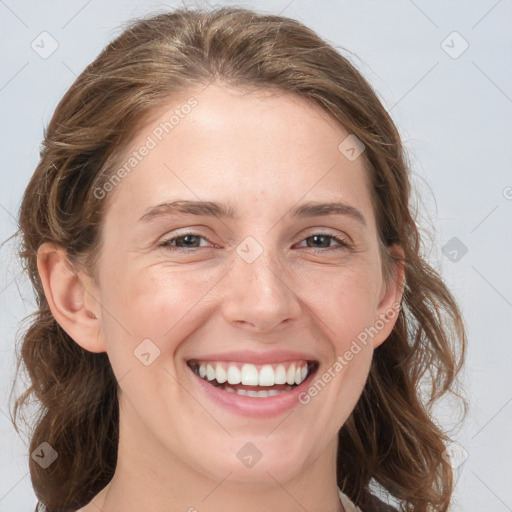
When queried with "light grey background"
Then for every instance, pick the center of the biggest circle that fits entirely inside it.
(455, 116)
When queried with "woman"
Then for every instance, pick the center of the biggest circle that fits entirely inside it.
(255, 368)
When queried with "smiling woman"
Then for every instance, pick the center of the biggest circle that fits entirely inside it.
(233, 308)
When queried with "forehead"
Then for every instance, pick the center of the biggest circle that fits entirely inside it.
(254, 148)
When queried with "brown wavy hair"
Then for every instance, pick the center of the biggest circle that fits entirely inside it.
(391, 439)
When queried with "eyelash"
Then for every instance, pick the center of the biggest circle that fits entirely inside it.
(166, 244)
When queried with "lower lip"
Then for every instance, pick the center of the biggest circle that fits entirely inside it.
(262, 407)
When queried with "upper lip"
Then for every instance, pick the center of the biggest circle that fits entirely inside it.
(248, 356)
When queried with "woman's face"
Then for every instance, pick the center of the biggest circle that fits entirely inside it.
(250, 294)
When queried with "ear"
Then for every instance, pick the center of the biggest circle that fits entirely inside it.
(71, 296)
(390, 297)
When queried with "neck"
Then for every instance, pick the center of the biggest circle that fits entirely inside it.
(149, 476)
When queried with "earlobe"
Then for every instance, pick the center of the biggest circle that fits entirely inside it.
(70, 296)
(391, 297)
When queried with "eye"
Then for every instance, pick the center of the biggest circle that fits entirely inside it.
(188, 239)
(188, 242)
(323, 238)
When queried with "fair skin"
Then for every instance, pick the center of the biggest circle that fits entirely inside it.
(264, 154)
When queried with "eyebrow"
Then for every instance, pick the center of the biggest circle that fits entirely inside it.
(224, 210)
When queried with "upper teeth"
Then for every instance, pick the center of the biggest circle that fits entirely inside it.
(254, 375)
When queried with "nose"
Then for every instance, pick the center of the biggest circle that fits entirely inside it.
(259, 294)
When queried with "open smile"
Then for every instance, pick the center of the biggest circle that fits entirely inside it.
(235, 384)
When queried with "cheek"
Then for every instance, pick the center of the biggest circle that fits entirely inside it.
(144, 324)
(156, 303)
(345, 301)
(147, 298)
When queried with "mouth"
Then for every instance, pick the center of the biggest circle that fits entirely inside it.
(254, 380)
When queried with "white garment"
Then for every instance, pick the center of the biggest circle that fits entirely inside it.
(347, 504)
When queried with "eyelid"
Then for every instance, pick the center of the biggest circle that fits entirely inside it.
(329, 232)
(342, 239)
(173, 236)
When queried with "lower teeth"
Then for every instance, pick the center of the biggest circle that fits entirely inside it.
(256, 394)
